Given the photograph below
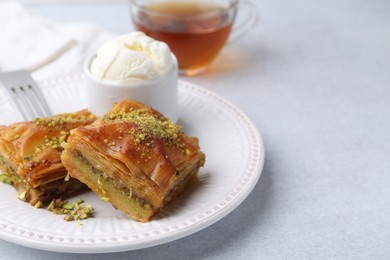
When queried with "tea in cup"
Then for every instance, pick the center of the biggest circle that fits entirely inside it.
(195, 31)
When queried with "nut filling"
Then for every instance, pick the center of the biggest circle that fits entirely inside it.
(102, 176)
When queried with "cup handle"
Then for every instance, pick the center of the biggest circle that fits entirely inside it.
(250, 20)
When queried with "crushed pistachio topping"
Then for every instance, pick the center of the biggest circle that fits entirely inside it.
(148, 126)
(5, 179)
(73, 211)
(62, 119)
(50, 142)
(9, 174)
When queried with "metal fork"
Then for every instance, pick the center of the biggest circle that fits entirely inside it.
(25, 94)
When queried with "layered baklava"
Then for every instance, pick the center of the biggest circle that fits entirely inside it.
(134, 158)
(30, 157)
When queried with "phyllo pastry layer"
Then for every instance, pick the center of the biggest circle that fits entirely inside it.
(134, 158)
(30, 156)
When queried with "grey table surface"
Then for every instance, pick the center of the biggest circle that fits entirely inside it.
(314, 76)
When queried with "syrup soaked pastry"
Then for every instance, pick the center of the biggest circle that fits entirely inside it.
(30, 157)
(134, 158)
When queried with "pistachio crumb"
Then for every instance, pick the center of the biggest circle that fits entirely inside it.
(68, 206)
(5, 179)
(22, 195)
(73, 211)
(69, 218)
(105, 198)
(39, 204)
(79, 201)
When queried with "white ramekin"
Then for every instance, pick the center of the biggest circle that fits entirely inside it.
(160, 93)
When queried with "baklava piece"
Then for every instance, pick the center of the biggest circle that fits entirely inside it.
(134, 158)
(30, 157)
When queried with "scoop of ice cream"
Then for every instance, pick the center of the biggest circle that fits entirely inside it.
(132, 57)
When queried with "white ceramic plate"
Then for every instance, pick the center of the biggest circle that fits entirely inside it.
(234, 160)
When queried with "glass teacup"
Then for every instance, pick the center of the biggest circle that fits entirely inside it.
(195, 31)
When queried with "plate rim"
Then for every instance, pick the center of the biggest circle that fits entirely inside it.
(255, 169)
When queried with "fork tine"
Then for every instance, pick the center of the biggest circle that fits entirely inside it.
(29, 103)
(25, 105)
(33, 102)
(16, 100)
(27, 97)
(42, 104)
